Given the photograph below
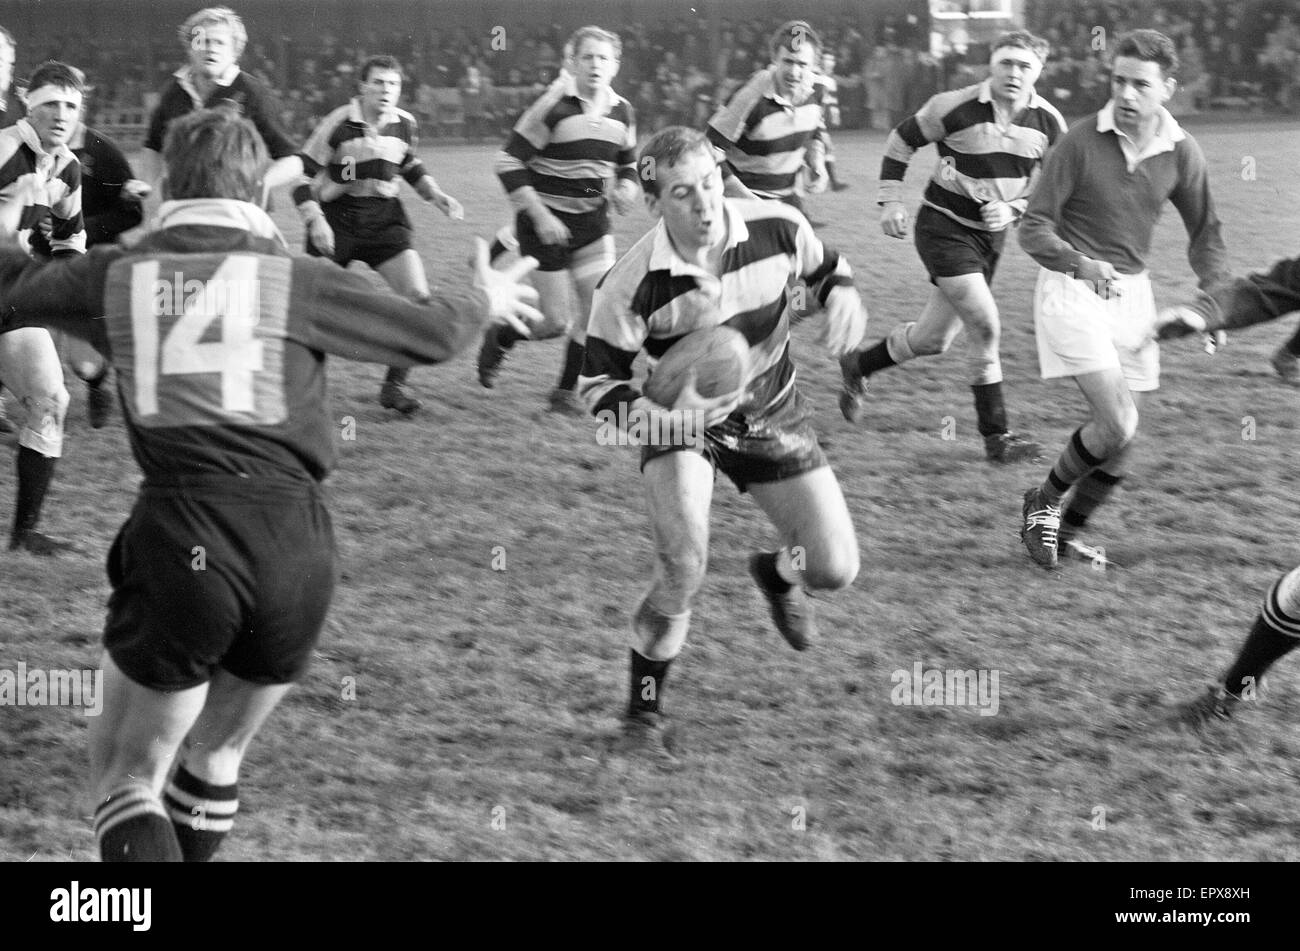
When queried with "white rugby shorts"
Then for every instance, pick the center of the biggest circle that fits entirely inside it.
(1080, 332)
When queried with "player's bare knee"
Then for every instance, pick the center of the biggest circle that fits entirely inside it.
(833, 570)
(682, 572)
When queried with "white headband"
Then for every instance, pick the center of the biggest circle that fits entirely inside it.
(52, 93)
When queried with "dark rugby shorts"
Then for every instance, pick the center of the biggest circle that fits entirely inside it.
(949, 249)
(210, 575)
(583, 230)
(779, 447)
(369, 230)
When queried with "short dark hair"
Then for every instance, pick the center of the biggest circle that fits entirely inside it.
(382, 61)
(53, 73)
(791, 36)
(665, 149)
(214, 153)
(1151, 46)
(1025, 40)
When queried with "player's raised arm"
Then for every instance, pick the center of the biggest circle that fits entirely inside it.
(63, 295)
(729, 124)
(341, 313)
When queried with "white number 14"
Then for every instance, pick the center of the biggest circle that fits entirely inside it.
(230, 296)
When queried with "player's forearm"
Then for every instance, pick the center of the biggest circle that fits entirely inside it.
(1241, 302)
(52, 294)
(1040, 241)
(283, 171)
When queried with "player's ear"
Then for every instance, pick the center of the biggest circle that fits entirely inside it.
(1170, 85)
(652, 205)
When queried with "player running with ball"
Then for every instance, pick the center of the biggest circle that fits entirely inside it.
(711, 261)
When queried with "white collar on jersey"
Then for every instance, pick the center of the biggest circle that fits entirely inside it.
(185, 79)
(664, 257)
(217, 213)
(61, 153)
(356, 115)
(1168, 131)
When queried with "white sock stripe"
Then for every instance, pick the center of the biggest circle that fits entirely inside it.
(1276, 618)
(202, 807)
(188, 801)
(204, 823)
(1286, 593)
(120, 812)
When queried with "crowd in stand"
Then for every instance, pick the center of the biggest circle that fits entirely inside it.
(476, 82)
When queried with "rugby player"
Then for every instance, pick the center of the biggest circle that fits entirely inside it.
(831, 115)
(11, 110)
(711, 261)
(773, 126)
(214, 38)
(1232, 305)
(224, 571)
(110, 205)
(1089, 225)
(351, 211)
(40, 208)
(991, 139)
(567, 160)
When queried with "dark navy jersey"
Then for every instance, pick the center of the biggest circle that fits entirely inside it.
(106, 208)
(219, 337)
(244, 93)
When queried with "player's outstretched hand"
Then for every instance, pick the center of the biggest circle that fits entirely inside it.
(509, 301)
(1179, 321)
(997, 215)
(713, 410)
(1099, 275)
(623, 196)
(322, 236)
(846, 320)
(893, 219)
(449, 206)
(550, 229)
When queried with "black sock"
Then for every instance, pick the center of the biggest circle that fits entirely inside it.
(201, 813)
(131, 826)
(1265, 646)
(507, 336)
(877, 358)
(397, 375)
(34, 474)
(647, 683)
(1293, 345)
(990, 408)
(767, 573)
(1090, 493)
(830, 173)
(572, 365)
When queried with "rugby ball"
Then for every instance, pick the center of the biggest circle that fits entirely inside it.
(718, 356)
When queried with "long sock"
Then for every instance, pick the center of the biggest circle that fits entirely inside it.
(830, 173)
(1275, 634)
(1090, 493)
(647, 683)
(397, 375)
(1293, 345)
(1074, 463)
(132, 826)
(876, 358)
(768, 571)
(35, 471)
(201, 812)
(572, 365)
(990, 408)
(507, 336)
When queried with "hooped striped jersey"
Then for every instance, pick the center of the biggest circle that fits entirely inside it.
(40, 189)
(980, 160)
(359, 159)
(651, 298)
(568, 149)
(764, 138)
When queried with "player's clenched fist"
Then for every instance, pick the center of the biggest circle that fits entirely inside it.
(893, 219)
(321, 235)
(509, 301)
